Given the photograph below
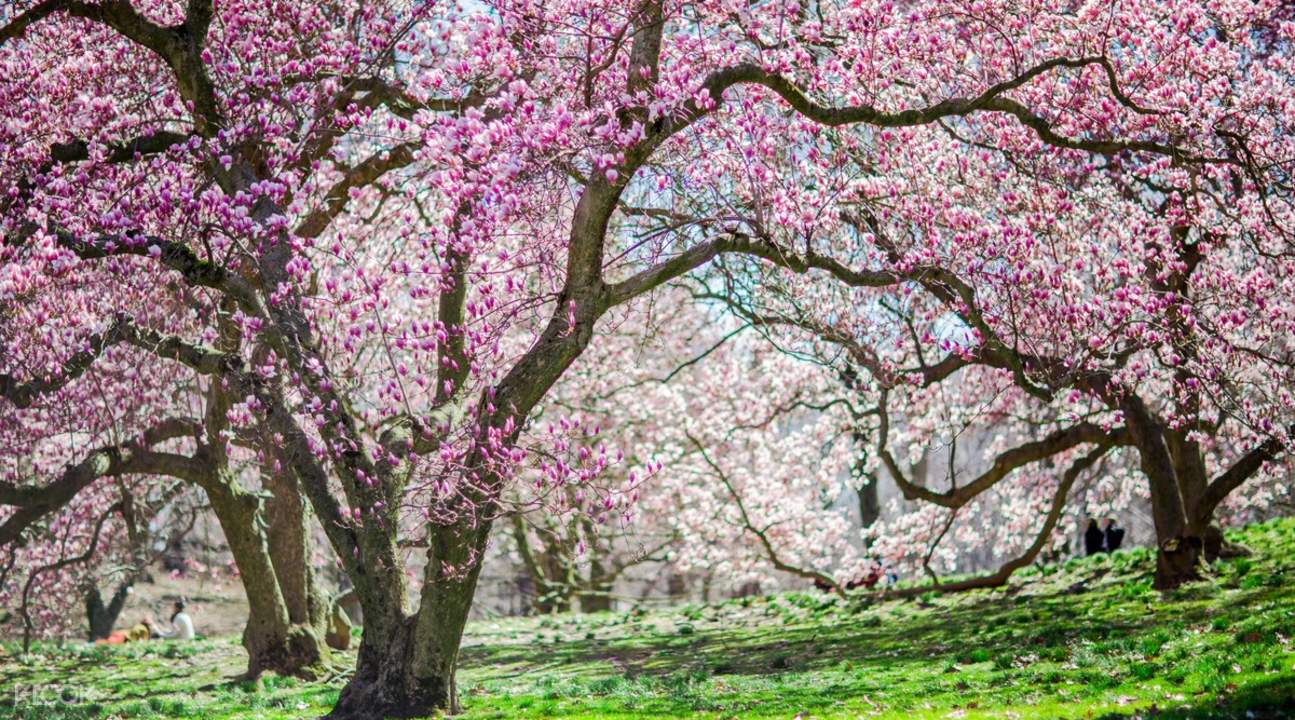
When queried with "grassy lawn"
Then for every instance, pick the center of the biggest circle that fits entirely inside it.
(1089, 639)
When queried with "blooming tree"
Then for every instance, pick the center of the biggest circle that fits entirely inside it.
(397, 225)
(740, 455)
(1126, 307)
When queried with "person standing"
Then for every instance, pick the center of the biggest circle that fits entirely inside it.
(1113, 535)
(1094, 538)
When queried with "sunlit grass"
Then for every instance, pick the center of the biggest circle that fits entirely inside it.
(1087, 639)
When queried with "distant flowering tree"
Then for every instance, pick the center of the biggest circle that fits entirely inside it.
(389, 228)
(1102, 310)
(52, 580)
(740, 454)
(1122, 308)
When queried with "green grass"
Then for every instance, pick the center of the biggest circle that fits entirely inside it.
(1041, 648)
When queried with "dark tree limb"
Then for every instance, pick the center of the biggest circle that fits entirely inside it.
(1005, 571)
(1004, 463)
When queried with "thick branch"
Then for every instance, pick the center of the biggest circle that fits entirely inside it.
(1243, 469)
(991, 100)
(1004, 463)
(203, 360)
(699, 255)
(113, 461)
(173, 255)
(179, 46)
(23, 394)
(363, 174)
(152, 144)
(1005, 571)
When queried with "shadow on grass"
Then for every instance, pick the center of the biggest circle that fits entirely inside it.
(1264, 700)
(994, 628)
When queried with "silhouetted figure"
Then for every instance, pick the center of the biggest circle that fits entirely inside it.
(174, 558)
(1094, 538)
(1114, 535)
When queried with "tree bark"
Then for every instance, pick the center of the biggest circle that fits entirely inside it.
(272, 640)
(289, 546)
(597, 593)
(406, 665)
(869, 502)
(1177, 554)
(103, 616)
(1179, 551)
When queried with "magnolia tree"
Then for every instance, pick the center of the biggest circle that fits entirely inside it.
(120, 438)
(53, 579)
(405, 220)
(757, 469)
(1122, 310)
(739, 456)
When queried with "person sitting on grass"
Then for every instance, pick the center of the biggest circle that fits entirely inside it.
(143, 630)
(181, 625)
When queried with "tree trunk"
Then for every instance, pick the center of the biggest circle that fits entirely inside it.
(102, 617)
(598, 598)
(1178, 552)
(272, 640)
(551, 593)
(1178, 555)
(289, 546)
(406, 666)
(869, 502)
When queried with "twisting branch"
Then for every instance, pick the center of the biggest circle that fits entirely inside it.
(1243, 469)
(1005, 571)
(760, 534)
(740, 244)
(1004, 463)
(23, 394)
(204, 360)
(379, 92)
(991, 99)
(361, 175)
(111, 461)
(173, 255)
(151, 144)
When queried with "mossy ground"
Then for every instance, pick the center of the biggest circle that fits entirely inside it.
(1089, 639)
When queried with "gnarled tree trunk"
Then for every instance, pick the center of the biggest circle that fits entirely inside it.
(1176, 479)
(289, 546)
(406, 665)
(273, 640)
